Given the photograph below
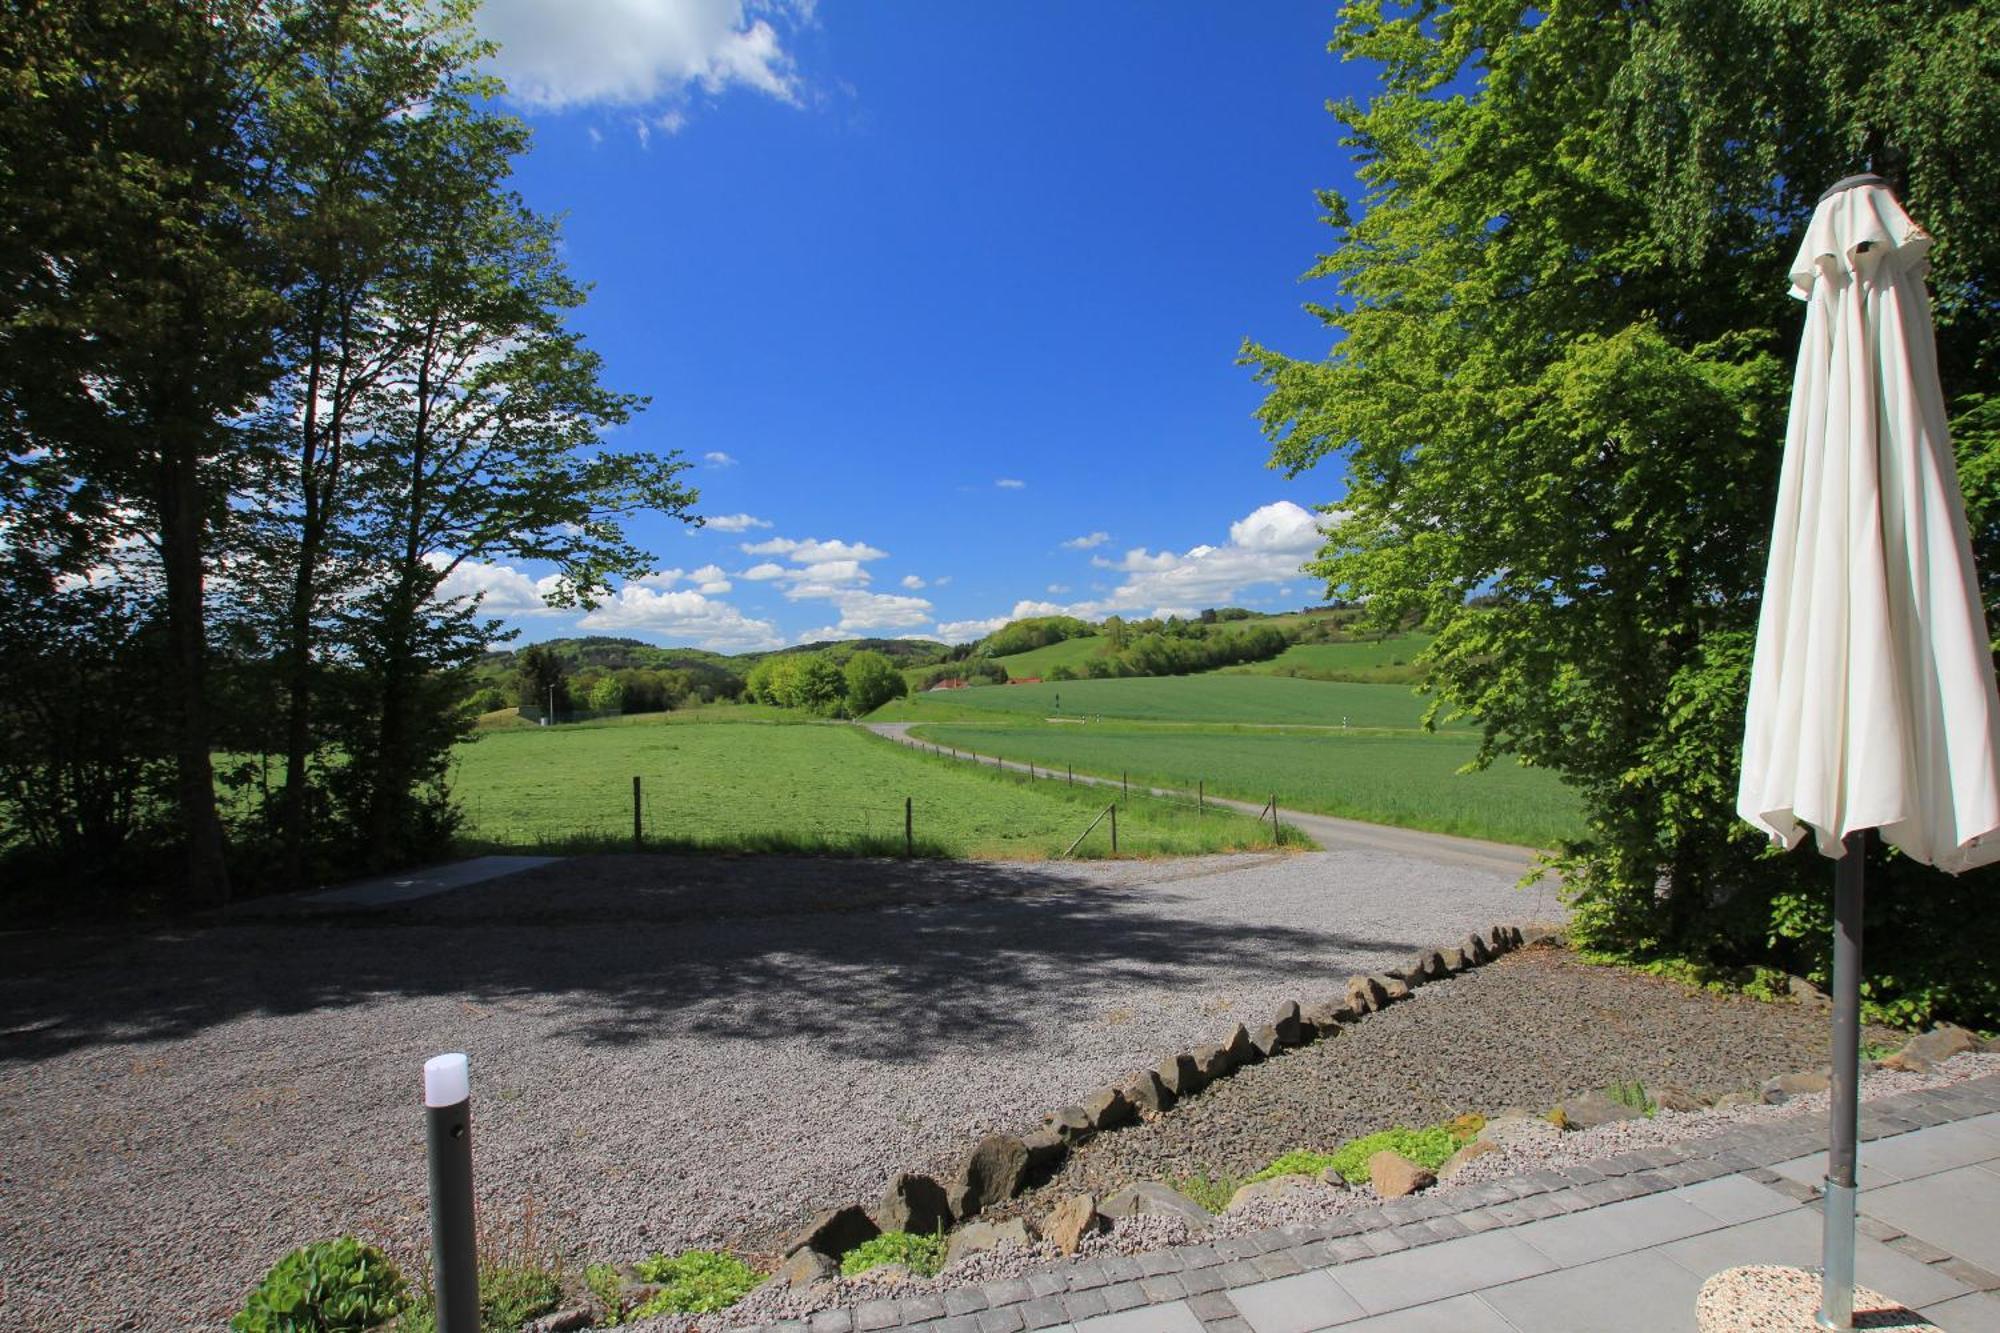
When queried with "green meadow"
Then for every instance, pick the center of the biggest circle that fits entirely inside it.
(1410, 779)
(1214, 697)
(1377, 661)
(813, 787)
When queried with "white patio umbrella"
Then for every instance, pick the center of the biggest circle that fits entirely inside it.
(1872, 701)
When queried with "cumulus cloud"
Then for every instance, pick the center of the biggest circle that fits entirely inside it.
(766, 570)
(715, 457)
(693, 616)
(736, 522)
(1089, 541)
(502, 590)
(711, 579)
(1011, 484)
(912, 582)
(812, 550)
(633, 52)
(964, 631)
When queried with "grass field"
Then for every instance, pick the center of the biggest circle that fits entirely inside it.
(1072, 653)
(1213, 697)
(746, 786)
(1388, 661)
(1409, 780)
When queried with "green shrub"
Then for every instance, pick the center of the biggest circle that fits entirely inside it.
(696, 1282)
(509, 1296)
(1211, 1192)
(1426, 1147)
(1302, 1162)
(329, 1286)
(607, 1287)
(922, 1255)
(1632, 1094)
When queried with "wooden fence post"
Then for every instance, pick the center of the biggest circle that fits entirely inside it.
(909, 826)
(1114, 830)
(638, 832)
(1072, 775)
(1200, 796)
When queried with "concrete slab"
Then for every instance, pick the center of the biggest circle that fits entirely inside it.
(1295, 1304)
(1171, 1318)
(1460, 1314)
(389, 890)
(1812, 1170)
(1953, 1210)
(1615, 1228)
(1433, 1272)
(1977, 1313)
(1941, 1148)
(1633, 1293)
(1733, 1199)
(1794, 1238)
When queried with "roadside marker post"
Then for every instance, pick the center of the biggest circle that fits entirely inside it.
(454, 1248)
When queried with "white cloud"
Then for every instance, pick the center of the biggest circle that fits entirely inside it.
(711, 579)
(912, 582)
(825, 634)
(692, 616)
(716, 458)
(879, 610)
(1087, 542)
(1011, 484)
(502, 589)
(736, 522)
(812, 550)
(665, 578)
(1058, 588)
(632, 52)
(964, 631)
(767, 570)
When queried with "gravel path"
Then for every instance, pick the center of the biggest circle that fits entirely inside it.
(665, 1051)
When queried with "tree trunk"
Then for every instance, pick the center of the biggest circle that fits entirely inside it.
(182, 532)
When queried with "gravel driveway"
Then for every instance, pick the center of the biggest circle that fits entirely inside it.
(665, 1051)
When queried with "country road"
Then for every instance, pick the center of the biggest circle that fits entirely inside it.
(1331, 832)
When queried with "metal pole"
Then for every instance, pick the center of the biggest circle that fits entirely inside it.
(454, 1250)
(1836, 1309)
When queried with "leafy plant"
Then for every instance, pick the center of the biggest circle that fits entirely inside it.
(1632, 1094)
(1426, 1147)
(694, 1282)
(607, 1287)
(329, 1286)
(1211, 1192)
(1299, 1162)
(922, 1255)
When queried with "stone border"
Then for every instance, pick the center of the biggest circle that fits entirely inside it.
(1002, 1166)
(1202, 1273)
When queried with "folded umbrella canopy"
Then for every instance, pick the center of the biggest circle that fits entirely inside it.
(1872, 701)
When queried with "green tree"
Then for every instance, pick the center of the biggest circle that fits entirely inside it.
(541, 678)
(871, 680)
(1563, 367)
(607, 695)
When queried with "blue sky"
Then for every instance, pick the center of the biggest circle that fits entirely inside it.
(944, 300)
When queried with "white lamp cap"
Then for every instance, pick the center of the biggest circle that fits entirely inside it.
(446, 1080)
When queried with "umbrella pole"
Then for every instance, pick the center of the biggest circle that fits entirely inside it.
(1836, 1309)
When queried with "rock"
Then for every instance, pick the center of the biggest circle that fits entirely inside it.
(1433, 965)
(1107, 1109)
(805, 1267)
(1393, 1175)
(1147, 1094)
(1150, 1198)
(1453, 959)
(991, 1174)
(562, 1321)
(835, 1232)
(1787, 1086)
(1594, 1108)
(1515, 939)
(1277, 1187)
(1476, 952)
(1213, 1062)
(1392, 989)
(1920, 1055)
(1071, 1124)
(916, 1204)
(1070, 1221)
(1365, 994)
(1333, 1178)
(1991, 1046)
(1045, 1149)
(1286, 1025)
(1512, 1129)
(1457, 1161)
(1324, 1017)
(974, 1237)
(890, 1273)
(1180, 1076)
(1728, 1099)
(1411, 974)
(1237, 1044)
(1265, 1042)
(1499, 941)
(1806, 993)
(1673, 1098)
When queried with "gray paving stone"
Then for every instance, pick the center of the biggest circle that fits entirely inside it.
(1617, 1228)
(1236, 1247)
(1975, 1313)
(1415, 1233)
(1210, 1307)
(1043, 1312)
(1007, 1319)
(924, 1305)
(1733, 1199)
(1122, 1268)
(1971, 1274)
(1295, 1304)
(1460, 1314)
(1582, 1174)
(1005, 1292)
(873, 1315)
(1633, 1293)
(1084, 1304)
(1921, 1250)
(957, 1323)
(1275, 1265)
(1175, 1318)
(1347, 1249)
(1197, 1281)
(1085, 1277)
(1478, 1221)
(1418, 1277)
(1199, 1256)
(1448, 1228)
(833, 1321)
(1952, 1209)
(1386, 1242)
(1123, 1296)
(1155, 1262)
(1239, 1273)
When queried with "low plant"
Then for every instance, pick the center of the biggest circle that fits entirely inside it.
(694, 1282)
(606, 1286)
(1299, 1162)
(1428, 1147)
(1211, 1192)
(922, 1255)
(329, 1286)
(519, 1278)
(1632, 1094)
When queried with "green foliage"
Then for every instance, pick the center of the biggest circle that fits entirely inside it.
(1428, 1147)
(810, 682)
(1560, 382)
(329, 1286)
(870, 680)
(1211, 1192)
(607, 695)
(541, 677)
(510, 1294)
(922, 1255)
(1300, 1162)
(694, 1282)
(1021, 636)
(606, 1286)
(1632, 1094)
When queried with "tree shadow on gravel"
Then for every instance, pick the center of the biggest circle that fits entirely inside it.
(888, 960)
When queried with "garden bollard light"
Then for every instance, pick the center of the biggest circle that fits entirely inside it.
(454, 1250)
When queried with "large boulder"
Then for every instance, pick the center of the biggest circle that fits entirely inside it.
(1070, 1221)
(1453, 960)
(1324, 1017)
(974, 1237)
(1265, 1042)
(1393, 988)
(1107, 1109)
(1150, 1198)
(1787, 1086)
(1213, 1061)
(1071, 1124)
(835, 1232)
(1180, 1076)
(1594, 1108)
(1237, 1045)
(991, 1174)
(1147, 1094)
(1290, 1031)
(1276, 1188)
(1365, 994)
(913, 1203)
(1045, 1150)
(1921, 1055)
(1393, 1175)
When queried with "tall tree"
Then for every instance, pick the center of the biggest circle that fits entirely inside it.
(1562, 369)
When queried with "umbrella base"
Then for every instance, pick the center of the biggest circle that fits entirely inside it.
(1764, 1298)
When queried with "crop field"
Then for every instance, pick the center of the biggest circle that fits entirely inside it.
(747, 786)
(1366, 660)
(1409, 780)
(1213, 697)
(1072, 653)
